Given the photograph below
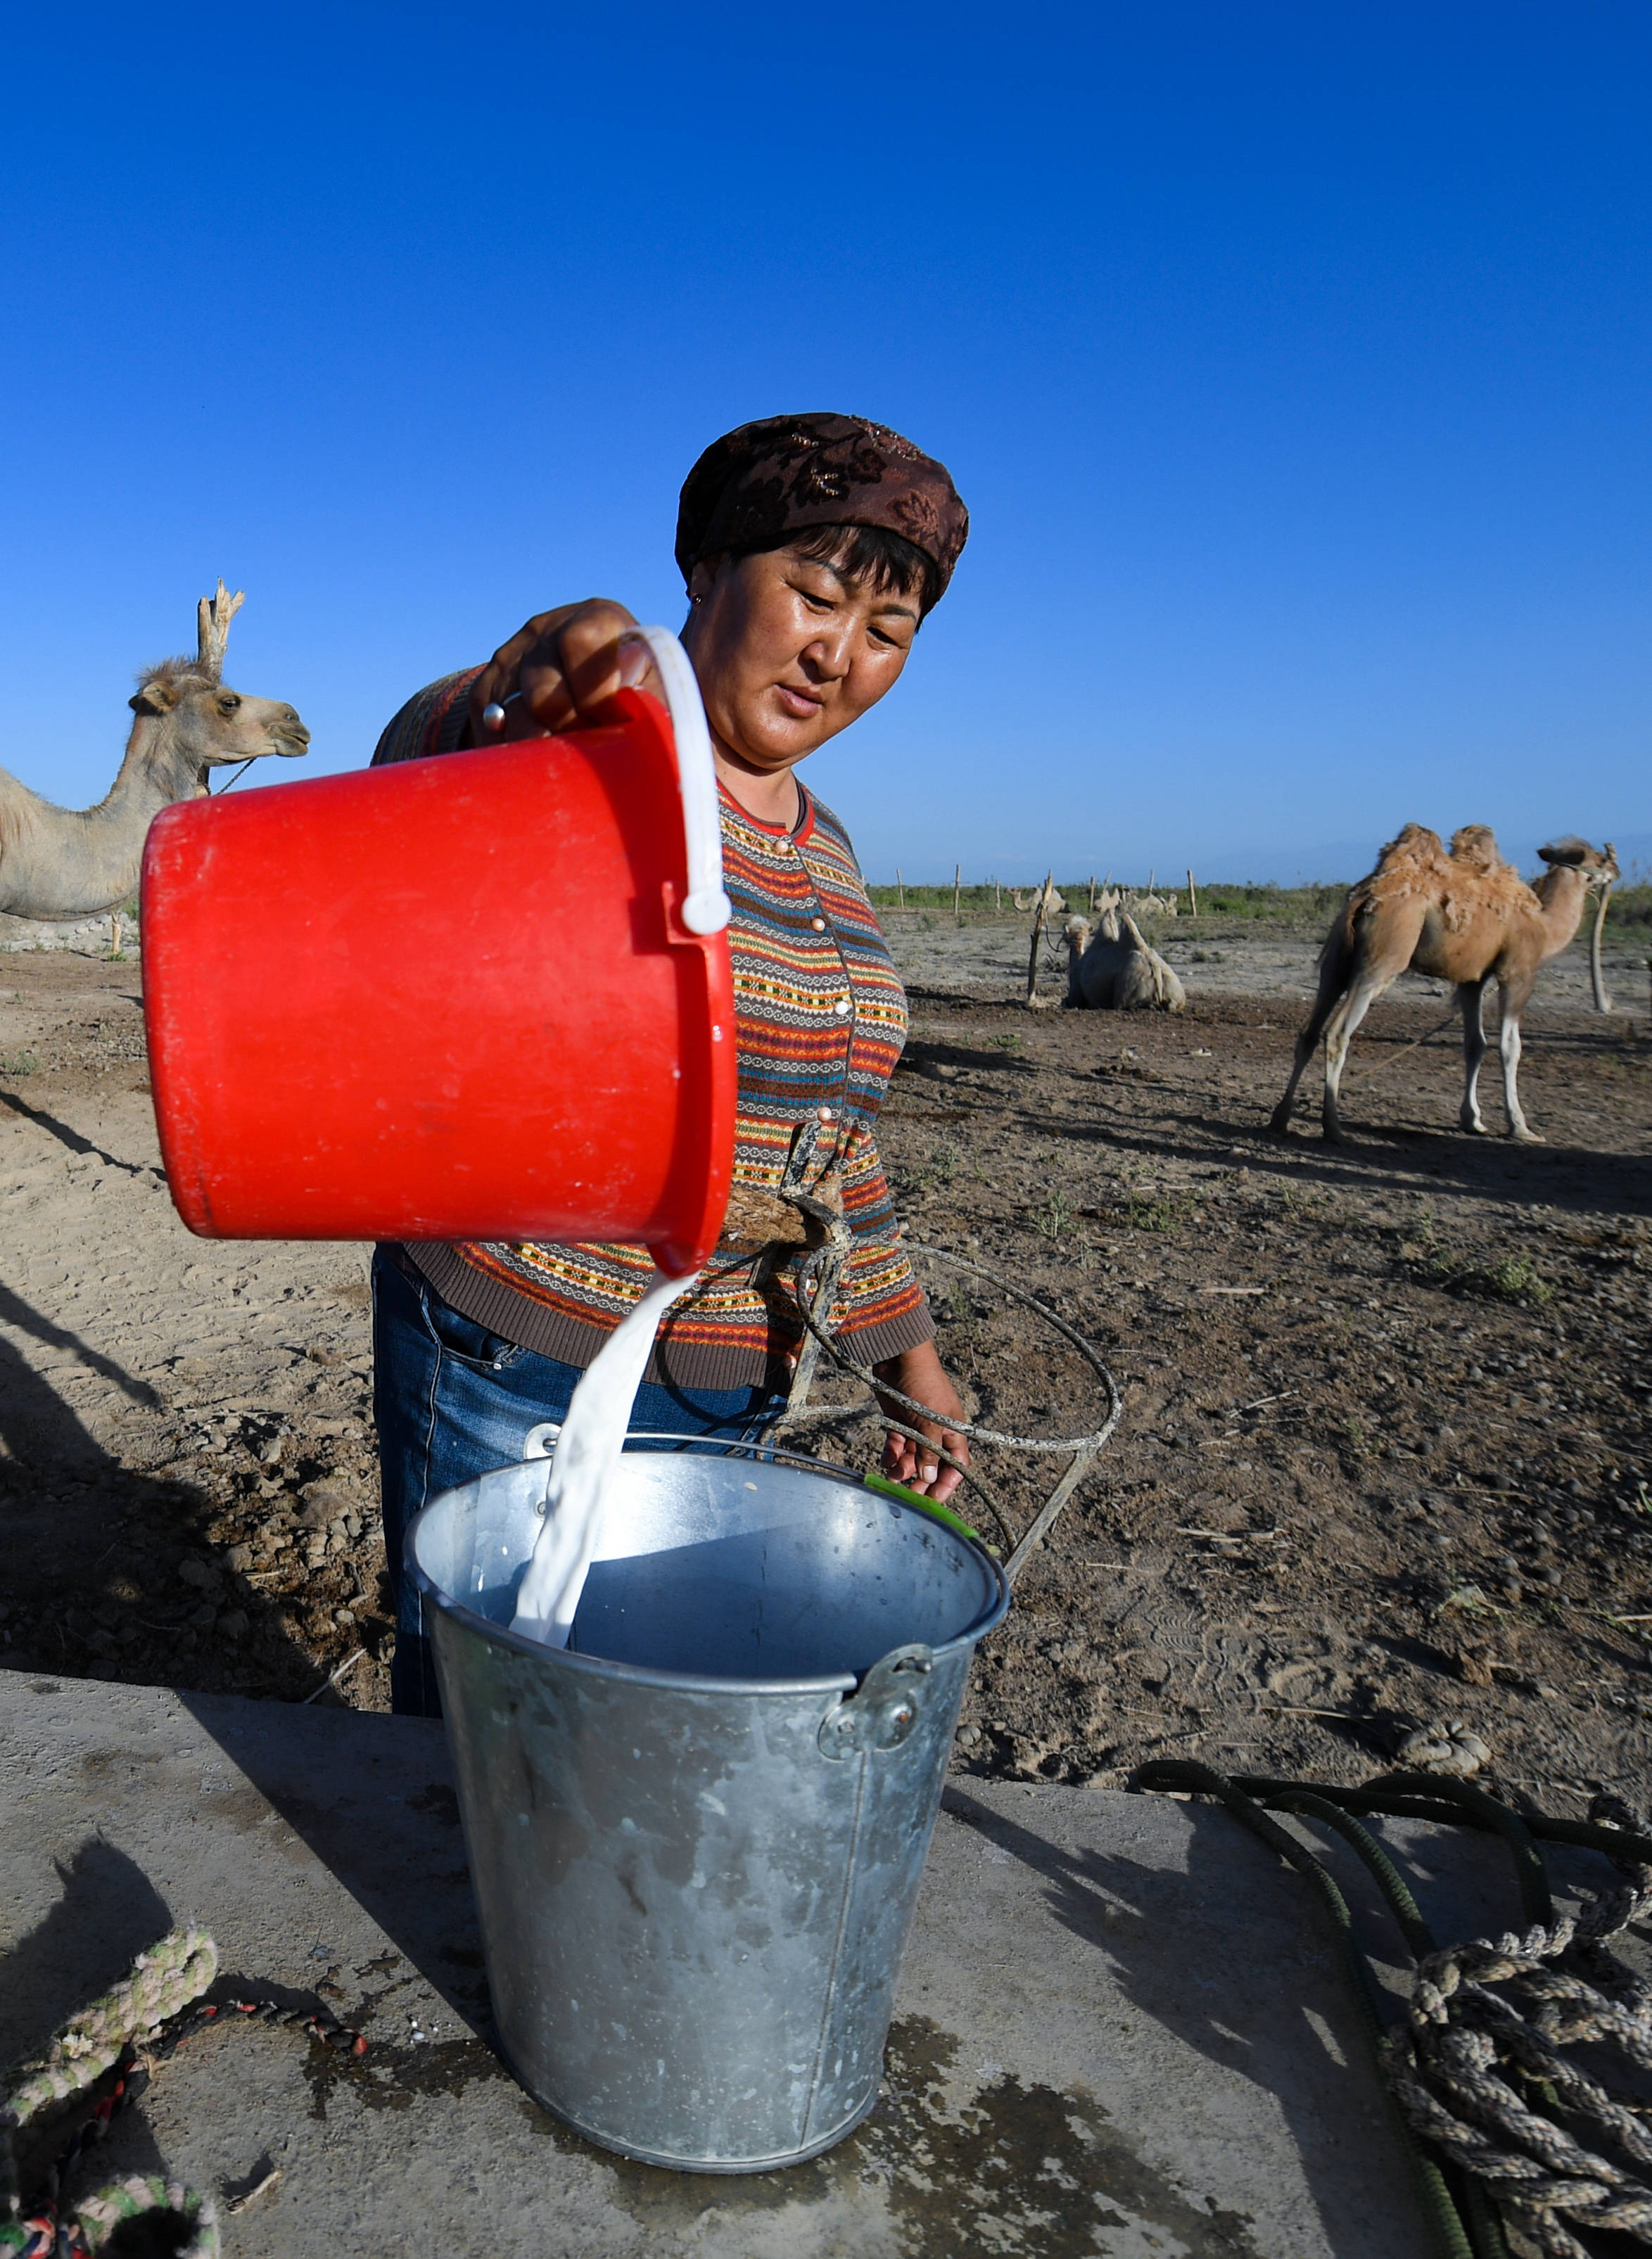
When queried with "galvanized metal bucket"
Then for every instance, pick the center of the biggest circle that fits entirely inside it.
(696, 1834)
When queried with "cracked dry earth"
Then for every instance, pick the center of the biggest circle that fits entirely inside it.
(1384, 1457)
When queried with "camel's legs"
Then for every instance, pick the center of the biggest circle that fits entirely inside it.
(1514, 995)
(1471, 996)
(1334, 971)
(1369, 986)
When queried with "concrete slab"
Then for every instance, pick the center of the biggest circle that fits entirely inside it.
(1120, 2027)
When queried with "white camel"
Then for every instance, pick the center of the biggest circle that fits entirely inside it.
(63, 863)
(1110, 967)
(1053, 899)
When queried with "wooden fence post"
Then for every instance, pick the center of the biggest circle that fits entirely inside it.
(1193, 894)
(1039, 915)
(958, 873)
(900, 892)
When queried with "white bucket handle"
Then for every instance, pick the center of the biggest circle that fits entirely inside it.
(707, 909)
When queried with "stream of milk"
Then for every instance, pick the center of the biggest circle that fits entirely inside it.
(586, 1459)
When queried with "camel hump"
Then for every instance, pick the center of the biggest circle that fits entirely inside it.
(1414, 854)
(1476, 845)
(13, 802)
(1414, 847)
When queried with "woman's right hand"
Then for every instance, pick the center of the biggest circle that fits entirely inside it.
(565, 665)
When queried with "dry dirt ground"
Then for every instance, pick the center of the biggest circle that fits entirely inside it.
(1384, 1457)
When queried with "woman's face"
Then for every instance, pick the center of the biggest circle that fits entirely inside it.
(789, 651)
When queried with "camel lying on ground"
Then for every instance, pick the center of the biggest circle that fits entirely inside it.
(1110, 968)
(1466, 917)
(60, 862)
(1052, 899)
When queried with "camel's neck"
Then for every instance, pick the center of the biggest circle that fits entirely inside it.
(154, 770)
(1562, 892)
(65, 862)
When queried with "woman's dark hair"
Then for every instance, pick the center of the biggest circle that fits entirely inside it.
(869, 554)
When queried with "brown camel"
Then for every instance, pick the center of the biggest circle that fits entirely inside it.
(1466, 917)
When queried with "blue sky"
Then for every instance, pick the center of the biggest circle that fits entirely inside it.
(1293, 360)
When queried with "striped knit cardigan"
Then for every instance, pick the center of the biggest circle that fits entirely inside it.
(821, 1019)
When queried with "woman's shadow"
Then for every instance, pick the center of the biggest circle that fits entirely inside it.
(1231, 1953)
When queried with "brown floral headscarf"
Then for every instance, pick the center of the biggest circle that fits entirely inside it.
(766, 480)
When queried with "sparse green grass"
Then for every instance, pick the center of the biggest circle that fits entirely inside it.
(1512, 1277)
(1007, 1043)
(13, 1065)
(1516, 1279)
(1055, 1220)
(1160, 1211)
(1430, 1250)
(939, 1167)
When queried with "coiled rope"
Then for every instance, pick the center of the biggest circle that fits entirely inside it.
(145, 2018)
(1480, 2078)
(815, 1277)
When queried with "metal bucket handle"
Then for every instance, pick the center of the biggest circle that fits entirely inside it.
(886, 1707)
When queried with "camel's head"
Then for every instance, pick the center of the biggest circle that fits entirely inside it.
(1076, 933)
(205, 724)
(1598, 866)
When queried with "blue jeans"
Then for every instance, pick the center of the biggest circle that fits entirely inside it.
(453, 1401)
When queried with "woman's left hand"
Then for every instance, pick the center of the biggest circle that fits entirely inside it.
(919, 1374)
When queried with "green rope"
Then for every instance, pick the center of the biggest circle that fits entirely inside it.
(1485, 2227)
(1614, 1844)
(1182, 1773)
(1307, 1804)
(1530, 1874)
(1442, 1801)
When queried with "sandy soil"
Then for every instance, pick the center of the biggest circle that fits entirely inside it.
(188, 1485)
(1384, 1439)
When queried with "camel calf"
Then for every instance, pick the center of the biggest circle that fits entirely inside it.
(1466, 917)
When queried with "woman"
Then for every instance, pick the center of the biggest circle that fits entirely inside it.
(812, 547)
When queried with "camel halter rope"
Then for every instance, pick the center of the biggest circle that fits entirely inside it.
(815, 1280)
(1481, 2079)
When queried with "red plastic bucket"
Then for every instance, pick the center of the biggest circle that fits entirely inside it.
(453, 999)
